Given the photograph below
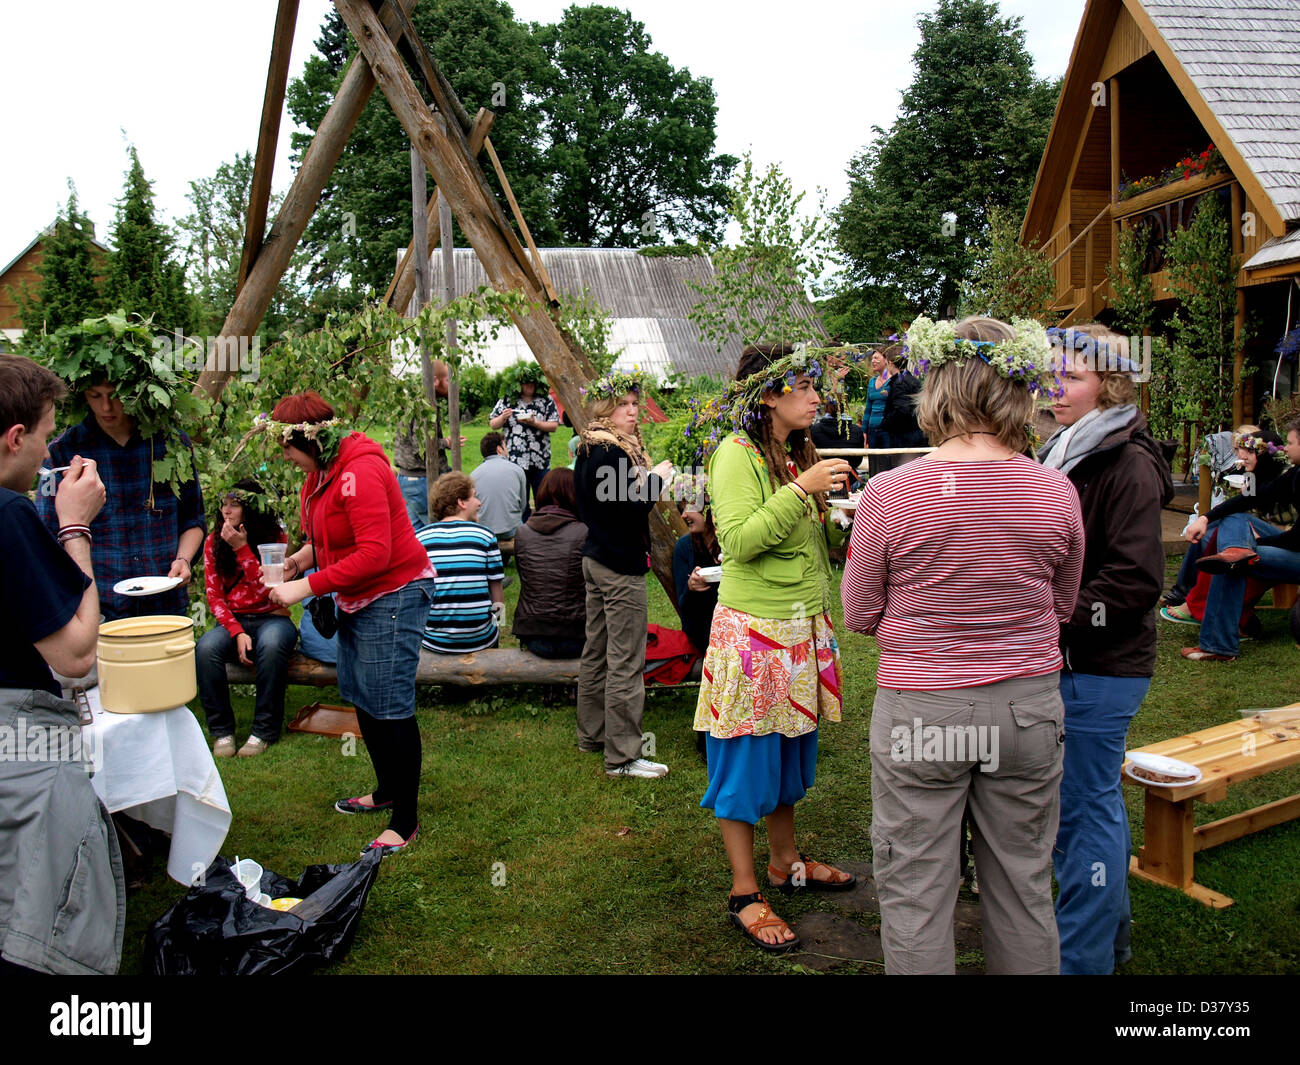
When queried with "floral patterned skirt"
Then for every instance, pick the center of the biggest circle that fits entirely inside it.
(766, 675)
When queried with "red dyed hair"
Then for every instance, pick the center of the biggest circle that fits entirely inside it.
(302, 407)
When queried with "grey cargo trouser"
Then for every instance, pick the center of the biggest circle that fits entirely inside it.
(611, 689)
(927, 749)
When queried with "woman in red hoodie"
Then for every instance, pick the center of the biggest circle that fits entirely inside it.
(361, 541)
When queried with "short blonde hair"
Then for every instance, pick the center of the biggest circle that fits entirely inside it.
(1117, 387)
(962, 398)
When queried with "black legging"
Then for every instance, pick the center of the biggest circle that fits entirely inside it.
(395, 752)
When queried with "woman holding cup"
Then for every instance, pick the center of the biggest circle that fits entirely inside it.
(360, 539)
(772, 669)
(250, 627)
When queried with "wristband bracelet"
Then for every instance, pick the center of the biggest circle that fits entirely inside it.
(187, 562)
(72, 532)
(799, 491)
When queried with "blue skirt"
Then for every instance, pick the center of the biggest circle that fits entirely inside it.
(750, 776)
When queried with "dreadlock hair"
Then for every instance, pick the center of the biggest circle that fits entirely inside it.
(261, 526)
(798, 445)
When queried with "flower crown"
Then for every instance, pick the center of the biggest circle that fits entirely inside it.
(615, 385)
(1256, 443)
(1028, 357)
(1096, 352)
(739, 408)
(327, 435)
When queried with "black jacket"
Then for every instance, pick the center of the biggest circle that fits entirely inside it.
(614, 503)
(830, 432)
(552, 590)
(899, 419)
(1122, 484)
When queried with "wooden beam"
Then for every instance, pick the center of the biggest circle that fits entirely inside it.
(448, 103)
(268, 135)
(272, 260)
(398, 295)
(453, 170)
(1243, 824)
(538, 265)
(458, 177)
(1113, 97)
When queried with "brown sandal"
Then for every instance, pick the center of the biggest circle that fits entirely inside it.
(766, 919)
(808, 880)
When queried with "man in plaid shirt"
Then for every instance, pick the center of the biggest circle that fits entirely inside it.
(143, 530)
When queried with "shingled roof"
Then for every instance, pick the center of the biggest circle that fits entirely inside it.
(1243, 56)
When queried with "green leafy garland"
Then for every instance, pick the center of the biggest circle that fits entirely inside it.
(1028, 357)
(121, 350)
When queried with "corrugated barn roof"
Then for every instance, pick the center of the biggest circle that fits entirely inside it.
(647, 298)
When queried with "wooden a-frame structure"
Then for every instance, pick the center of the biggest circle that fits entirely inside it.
(449, 142)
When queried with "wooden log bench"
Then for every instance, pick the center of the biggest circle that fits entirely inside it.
(1226, 755)
(502, 665)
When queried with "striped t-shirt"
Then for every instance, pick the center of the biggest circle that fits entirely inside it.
(466, 557)
(963, 571)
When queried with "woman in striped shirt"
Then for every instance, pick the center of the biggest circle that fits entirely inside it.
(962, 565)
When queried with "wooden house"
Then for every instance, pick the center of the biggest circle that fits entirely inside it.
(20, 273)
(1151, 85)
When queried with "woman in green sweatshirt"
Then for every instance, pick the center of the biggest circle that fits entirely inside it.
(772, 670)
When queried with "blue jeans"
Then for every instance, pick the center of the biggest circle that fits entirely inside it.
(273, 638)
(1091, 856)
(379, 651)
(1219, 627)
(415, 490)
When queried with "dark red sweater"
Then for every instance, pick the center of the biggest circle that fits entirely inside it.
(354, 514)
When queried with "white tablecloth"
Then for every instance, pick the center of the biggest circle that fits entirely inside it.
(158, 769)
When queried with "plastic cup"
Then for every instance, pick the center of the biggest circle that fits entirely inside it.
(272, 563)
(248, 873)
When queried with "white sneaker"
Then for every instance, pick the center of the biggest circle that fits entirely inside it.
(639, 767)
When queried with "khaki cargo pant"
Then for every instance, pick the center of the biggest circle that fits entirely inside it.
(926, 753)
(611, 690)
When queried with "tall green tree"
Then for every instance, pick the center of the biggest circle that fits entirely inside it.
(364, 215)
(760, 286)
(70, 264)
(629, 138)
(143, 277)
(214, 244)
(968, 136)
(1008, 279)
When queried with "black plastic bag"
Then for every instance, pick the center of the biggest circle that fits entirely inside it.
(216, 930)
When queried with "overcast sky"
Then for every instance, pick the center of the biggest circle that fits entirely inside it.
(799, 84)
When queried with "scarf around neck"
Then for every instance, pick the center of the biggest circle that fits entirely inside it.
(601, 432)
(1074, 443)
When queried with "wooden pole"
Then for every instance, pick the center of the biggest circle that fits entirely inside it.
(458, 177)
(259, 196)
(449, 294)
(419, 228)
(398, 294)
(272, 259)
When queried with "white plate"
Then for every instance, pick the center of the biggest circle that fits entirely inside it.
(1128, 772)
(844, 504)
(712, 574)
(136, 586)
(1237, 480)
(1158, 763)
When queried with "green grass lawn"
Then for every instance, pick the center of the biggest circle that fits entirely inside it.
(605, 876)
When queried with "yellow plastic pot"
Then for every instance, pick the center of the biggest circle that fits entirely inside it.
(146, 664)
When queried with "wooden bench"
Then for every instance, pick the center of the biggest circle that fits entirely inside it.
(501, 665)
(1226, 755)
